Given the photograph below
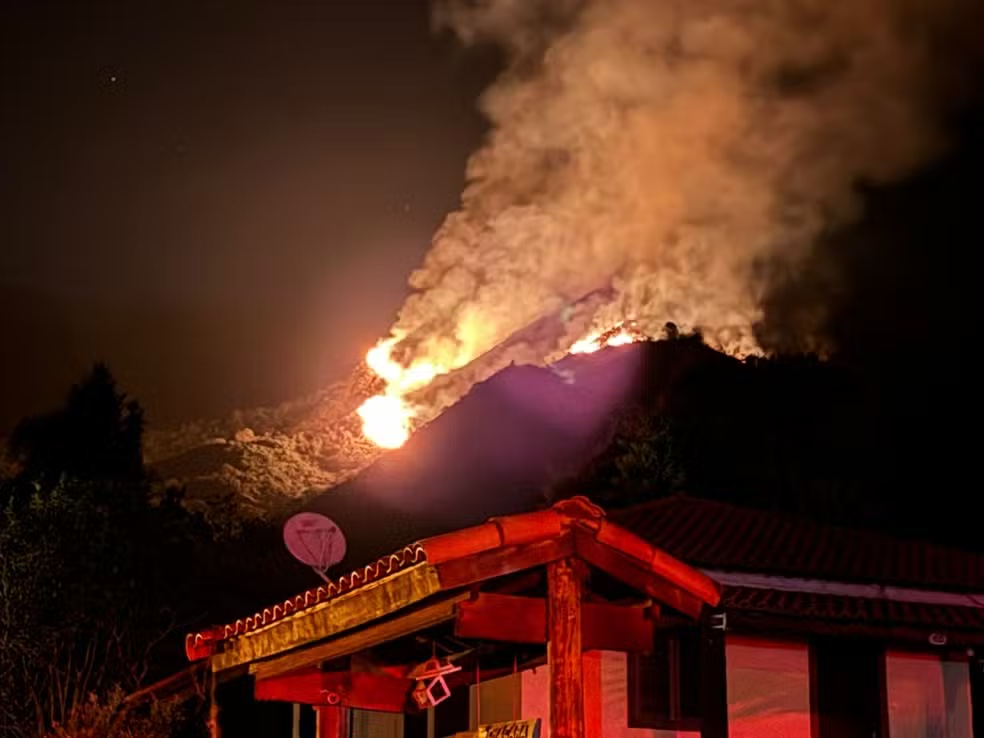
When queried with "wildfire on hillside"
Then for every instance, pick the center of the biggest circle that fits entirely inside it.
(388, 418)
(619, 335)
(615, 185)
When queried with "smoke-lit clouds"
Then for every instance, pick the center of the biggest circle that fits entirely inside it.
(670, 155)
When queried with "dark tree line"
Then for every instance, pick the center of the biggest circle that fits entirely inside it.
(94, 567)
(103, 571)
(878, 447)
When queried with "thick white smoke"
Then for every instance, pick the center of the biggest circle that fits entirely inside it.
(656, 156)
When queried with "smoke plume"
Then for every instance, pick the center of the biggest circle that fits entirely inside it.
(657, 160)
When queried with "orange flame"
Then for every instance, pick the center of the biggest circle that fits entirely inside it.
(620, 335)
(388, 418)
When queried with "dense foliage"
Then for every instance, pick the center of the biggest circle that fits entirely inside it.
(824, 439)
(93, 566)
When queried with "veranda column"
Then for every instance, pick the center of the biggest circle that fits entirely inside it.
(332, 722)
(564, 587)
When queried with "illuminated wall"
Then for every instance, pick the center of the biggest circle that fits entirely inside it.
(498, 701)
(769, 694)
(605, 690)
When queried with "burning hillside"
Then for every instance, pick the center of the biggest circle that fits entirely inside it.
(651, 162)
(389, 418)
(258, 462)
(647, 162)
(260, 459)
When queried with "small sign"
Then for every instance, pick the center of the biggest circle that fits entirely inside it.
(512, 729)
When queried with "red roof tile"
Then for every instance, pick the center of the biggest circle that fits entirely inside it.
(717, 536)
(199, 645)
(506, 532)
(745, 605)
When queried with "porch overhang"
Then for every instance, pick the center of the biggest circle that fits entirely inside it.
(437, 580)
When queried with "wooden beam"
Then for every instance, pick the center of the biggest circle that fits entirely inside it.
(565, 580)
(626, 569)
(398, 627)
(502, 561)
(605, 627)
(497, 617)
(361, 690)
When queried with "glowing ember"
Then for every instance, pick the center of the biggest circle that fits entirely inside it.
(620, 335)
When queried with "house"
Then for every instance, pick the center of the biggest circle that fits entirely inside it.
(679, 617)
(829, 632)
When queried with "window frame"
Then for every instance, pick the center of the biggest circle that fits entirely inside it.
(637, 716)
(939, 655)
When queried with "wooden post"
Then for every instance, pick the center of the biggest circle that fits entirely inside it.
(564, 584)
(332, 722)
(977, 694)
(713, 678)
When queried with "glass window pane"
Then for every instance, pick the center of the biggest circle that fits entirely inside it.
(928, 697)
(768, 689)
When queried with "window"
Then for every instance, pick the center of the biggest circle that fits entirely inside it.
(928, 696)
(768, 689)
(664, 686)
(849, 702)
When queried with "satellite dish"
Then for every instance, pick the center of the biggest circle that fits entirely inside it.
(314, 540)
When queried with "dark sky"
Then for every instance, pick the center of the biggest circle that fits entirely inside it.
(222, 199)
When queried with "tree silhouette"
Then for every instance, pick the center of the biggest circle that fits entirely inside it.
(642, 461)
(93, 572)
(96, 435)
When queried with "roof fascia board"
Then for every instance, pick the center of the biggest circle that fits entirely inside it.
(752, 580)
(345, 612)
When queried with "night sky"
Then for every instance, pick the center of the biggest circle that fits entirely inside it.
(223, 200)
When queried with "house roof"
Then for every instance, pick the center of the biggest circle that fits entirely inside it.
(780, 573)
(822, 610)
(454, 561)
(201, 644)
(718, 536)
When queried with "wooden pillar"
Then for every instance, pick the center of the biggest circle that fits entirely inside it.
(564, 585)
(714, 678)
(977, 695)
(333, 722)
